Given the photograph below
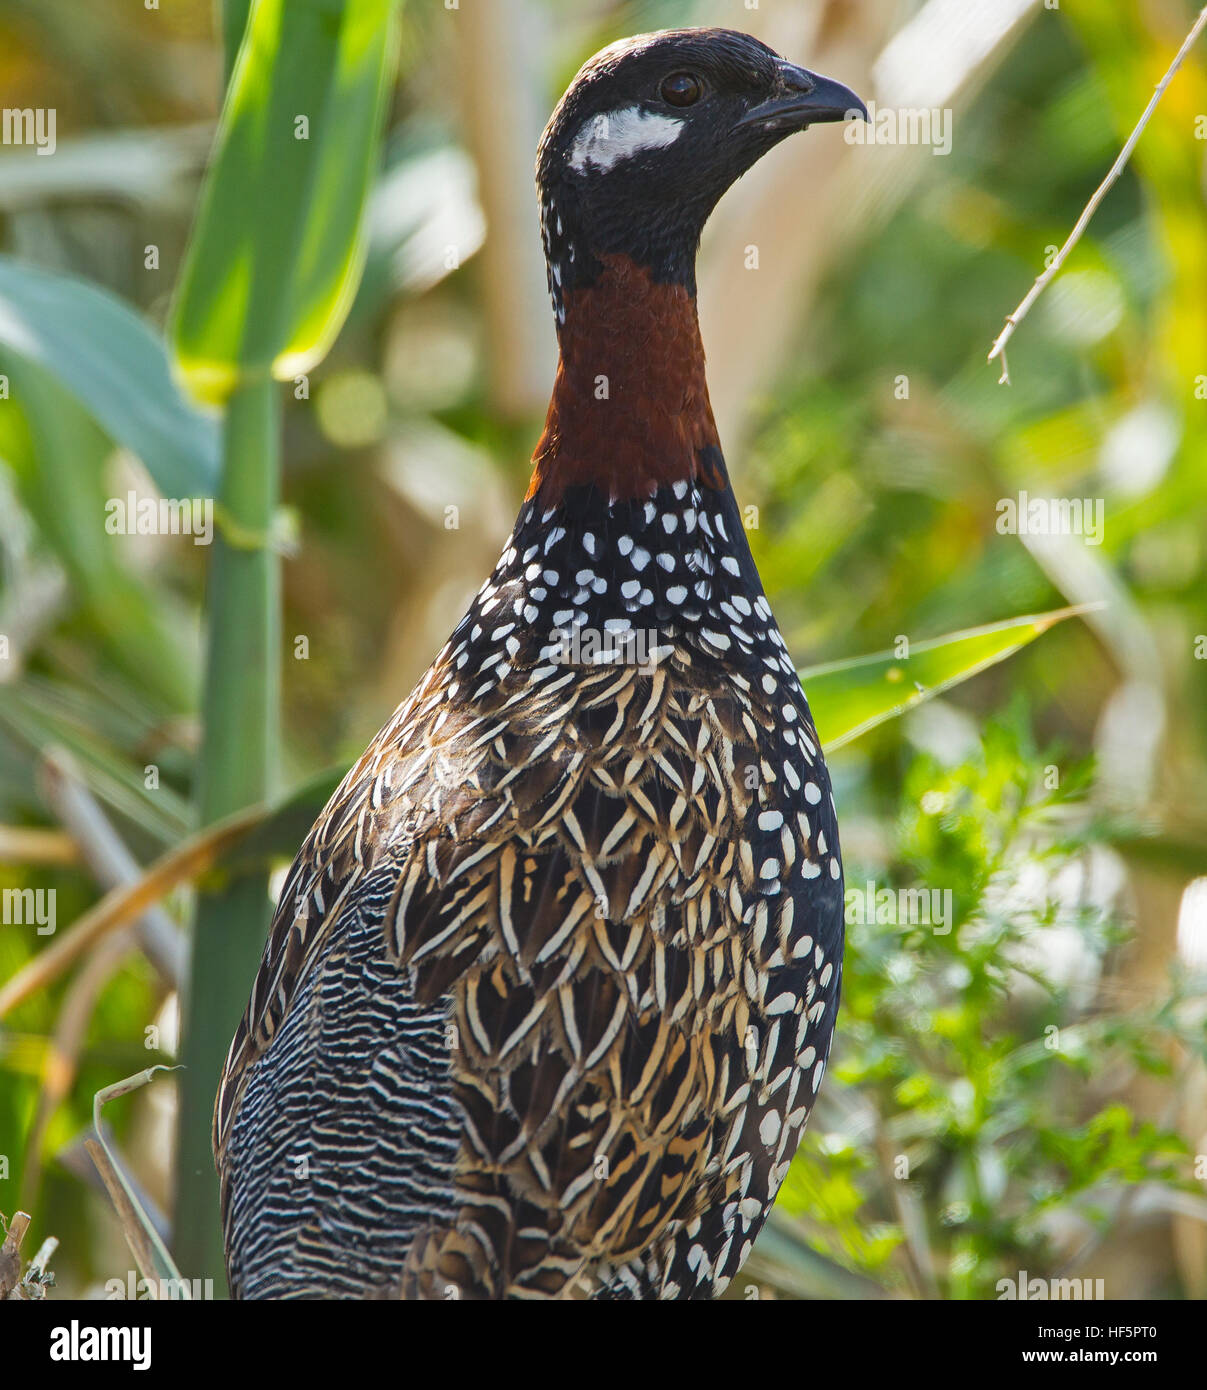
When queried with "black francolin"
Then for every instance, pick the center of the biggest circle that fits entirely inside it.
(551, 986)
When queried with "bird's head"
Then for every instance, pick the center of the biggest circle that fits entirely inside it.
(651, 133)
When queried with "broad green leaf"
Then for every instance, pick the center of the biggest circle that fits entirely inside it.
(848, 698)
(279, 244)
(57, 455)
(115, 366)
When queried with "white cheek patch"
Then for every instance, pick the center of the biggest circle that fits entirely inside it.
(611, 136)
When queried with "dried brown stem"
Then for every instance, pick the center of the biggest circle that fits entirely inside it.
(123, 905)
(1012, 322)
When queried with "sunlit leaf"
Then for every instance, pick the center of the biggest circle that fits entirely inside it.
(848, 698)
(116, 367)
(279, 242)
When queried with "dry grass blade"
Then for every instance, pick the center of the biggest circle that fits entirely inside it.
(127, 1213)
(243, 841)
(53, 849)
(106, 856)
(63, 1050)
(124, 905)
(154, 1263)
(113, 865)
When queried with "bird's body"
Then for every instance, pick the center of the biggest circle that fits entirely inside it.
(551, 985)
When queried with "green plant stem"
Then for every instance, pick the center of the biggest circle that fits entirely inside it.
(238, 755)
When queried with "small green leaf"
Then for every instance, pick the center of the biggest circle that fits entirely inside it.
(105, 356)
(279, 243)
(848, 698)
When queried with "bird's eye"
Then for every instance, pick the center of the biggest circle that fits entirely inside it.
(682, 89)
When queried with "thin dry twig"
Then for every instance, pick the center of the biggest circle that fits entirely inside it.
(1044, 280)
(110, 862)
(75, 1159)
(124, 904)
(63, 1049)
(20, 844)
(127, 1214)
(150, 1254)
(113, 866)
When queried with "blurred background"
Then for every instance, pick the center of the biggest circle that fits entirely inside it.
(1026, 1091)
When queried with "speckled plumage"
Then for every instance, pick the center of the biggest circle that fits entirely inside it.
(551, 985)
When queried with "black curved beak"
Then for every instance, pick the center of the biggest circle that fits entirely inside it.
(806, 99)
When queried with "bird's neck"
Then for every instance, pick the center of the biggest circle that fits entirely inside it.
(630, 412)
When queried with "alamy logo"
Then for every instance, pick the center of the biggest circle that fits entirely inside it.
(29, 907)
(1036, 1289)
(161, 1290)
(1052, 516)
(133, 515)
(29, 126)
(589, 646)
(901, 125)
(76, 1343)
(906, 907)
